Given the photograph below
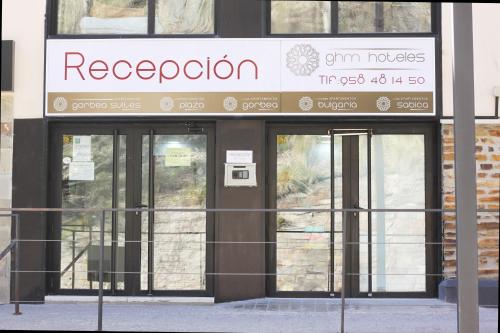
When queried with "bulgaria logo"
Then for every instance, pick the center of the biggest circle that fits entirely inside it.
(306, 103)
(60, 104)
(230, 103)
(383, 103)
(302, 59)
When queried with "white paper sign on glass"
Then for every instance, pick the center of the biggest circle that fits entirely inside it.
(81, 171)
(239, 156)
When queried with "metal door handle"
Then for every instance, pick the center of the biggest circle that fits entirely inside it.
(356, 206)
(139, 206)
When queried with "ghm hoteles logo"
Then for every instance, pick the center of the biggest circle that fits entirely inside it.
(302, 59)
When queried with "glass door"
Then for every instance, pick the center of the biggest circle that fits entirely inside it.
(150, 252)
(321, 168)
(175, 174)
(88, 171)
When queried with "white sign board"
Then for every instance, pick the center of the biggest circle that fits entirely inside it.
(239, 156)
(264, 76)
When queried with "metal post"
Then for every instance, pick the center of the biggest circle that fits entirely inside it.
(101, 275)
(465, 169)
(17, 264)
(344, 244)
(73, 253)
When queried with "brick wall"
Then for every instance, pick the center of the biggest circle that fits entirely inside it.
(488, 188)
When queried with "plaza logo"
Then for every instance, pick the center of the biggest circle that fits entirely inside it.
(302, 59)
(383, 103)
(60, 104)
(230, 103)
(166, 104)
(306, 103)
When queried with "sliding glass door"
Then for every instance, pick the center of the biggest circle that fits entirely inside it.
(387, 253)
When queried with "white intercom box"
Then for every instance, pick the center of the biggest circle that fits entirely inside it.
(240, 174)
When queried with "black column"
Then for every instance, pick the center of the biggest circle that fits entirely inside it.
(29, 188)
(231, 258)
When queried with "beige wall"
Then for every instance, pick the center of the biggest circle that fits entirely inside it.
(29, 50)
(23, 22)
(486, 57)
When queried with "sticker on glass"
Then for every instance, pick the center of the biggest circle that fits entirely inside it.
(82, 148)
(177, 156)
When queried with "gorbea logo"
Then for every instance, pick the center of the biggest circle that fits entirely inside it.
(302, 59)
(230, 103)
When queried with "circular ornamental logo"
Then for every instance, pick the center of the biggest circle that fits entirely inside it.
(166, 104)
(306, 103)
(60, 104)
(230, 103)
(383, 103)
(302, 59)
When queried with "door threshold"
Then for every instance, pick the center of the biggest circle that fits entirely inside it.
(51, 299)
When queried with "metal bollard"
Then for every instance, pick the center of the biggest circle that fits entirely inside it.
(101, 275)
(17, 311)
(344, 243)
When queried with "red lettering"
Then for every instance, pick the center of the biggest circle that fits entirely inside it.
(254, 65)
(138, 69)
(193, 77)
(162, 76)
(92, 69)
(77, 67)
(122, 77)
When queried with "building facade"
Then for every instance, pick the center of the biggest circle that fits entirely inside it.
(232, 104)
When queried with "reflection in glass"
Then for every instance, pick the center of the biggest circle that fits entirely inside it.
(363, 217)
(184, 17)
(91, 187)
(300, 17)
(382, 16)
(303, 181)
(407, 16)
(144, 215)
(398, 181)
(338, 204)
(180, 165)
(357, 16)
(102, 17)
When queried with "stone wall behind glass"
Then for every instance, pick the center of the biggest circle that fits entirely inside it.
(488, 188)
(5, 189)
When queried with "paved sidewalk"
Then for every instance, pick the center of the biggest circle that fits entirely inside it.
(262, 315)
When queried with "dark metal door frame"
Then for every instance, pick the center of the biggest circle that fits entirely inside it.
(134, 133)
(351, 200)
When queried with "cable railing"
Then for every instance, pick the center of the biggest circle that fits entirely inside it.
(102, 242)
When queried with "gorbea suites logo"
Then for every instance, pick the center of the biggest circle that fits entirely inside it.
(302, 59)
(60, 104)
